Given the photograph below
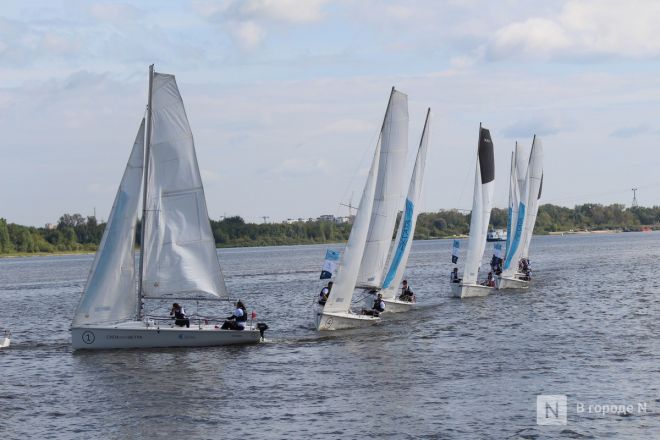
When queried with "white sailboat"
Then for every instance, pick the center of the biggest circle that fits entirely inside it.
(406, 230)
(178, 258)
(366, 251)
(5, 340)
(484, 182)
(535, 182)
(509, 278)
(526, 219)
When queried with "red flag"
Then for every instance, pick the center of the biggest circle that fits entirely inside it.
(254, 314)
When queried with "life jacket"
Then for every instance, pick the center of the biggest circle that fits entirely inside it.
(180, 313)
(241, 317)
(379, 305)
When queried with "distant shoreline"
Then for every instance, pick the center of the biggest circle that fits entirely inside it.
(88, 252)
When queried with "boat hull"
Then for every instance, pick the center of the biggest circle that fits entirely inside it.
(460, 290)
(343, 321)
(138, 335)
(4, 342)
(511, 283)
(395, 305)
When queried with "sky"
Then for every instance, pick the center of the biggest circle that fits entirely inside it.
(285, 98)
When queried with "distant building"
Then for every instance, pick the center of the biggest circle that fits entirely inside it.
(326, 218)
(50, 226)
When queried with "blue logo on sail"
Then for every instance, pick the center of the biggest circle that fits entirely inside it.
(516, 238)
(403, 241)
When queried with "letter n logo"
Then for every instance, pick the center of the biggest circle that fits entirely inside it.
(551, 409)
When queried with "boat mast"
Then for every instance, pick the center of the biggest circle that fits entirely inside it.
(143, 228)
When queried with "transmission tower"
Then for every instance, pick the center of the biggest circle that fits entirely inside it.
(634, 202)
(265, 217)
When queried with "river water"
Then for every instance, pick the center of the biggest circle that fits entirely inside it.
(457, 369)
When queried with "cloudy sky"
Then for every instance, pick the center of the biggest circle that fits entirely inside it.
(286, 97)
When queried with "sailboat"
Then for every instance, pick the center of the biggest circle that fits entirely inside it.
(178, 258)
(363, 260)
(535, 182)
(6, 339)
(484, 182)
(406, 230)
(526, 219)
(509, 278)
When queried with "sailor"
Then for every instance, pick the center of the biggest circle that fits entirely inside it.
(325, 292)
(179, 315)
(237, 320)
(489, 282)
(453, 277)
(377, 308)
(406, 292)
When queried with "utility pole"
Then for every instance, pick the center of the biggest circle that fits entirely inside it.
(634, 202)
(265, 217)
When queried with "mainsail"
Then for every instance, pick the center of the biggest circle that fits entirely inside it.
(347, 273)
(110, 294)
(484, 182)
(394, 148)
(180, 255)
(406, 230)
(535, 173)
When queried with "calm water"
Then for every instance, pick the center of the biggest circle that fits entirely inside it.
(588, 328)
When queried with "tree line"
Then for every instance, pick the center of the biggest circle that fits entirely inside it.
(75, 233)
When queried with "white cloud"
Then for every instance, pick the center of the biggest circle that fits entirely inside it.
(249, 34)
(585, 28)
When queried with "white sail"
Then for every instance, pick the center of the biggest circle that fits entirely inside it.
(347, 273)
(484, 183)
(514, 196)
(535, 177)
(110, 294)
(406, 231)
(394, 148)
(521, 167)
(180, 254)
(517, 219)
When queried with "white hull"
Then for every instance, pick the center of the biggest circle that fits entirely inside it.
(460, 290)
(138, 335)
(395, 305)
(342, 321)
(4, 342)
(511, 283)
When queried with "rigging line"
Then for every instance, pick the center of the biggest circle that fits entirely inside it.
(359, 163)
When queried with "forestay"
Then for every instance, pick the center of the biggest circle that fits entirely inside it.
(180, 255)
(387, 197)
(406, 229)
(484, 182)
(110, 292)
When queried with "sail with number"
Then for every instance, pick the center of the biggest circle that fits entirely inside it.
(406, 230)
(484, 182)
(110, 294)
(387, 196)
(180, 254)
